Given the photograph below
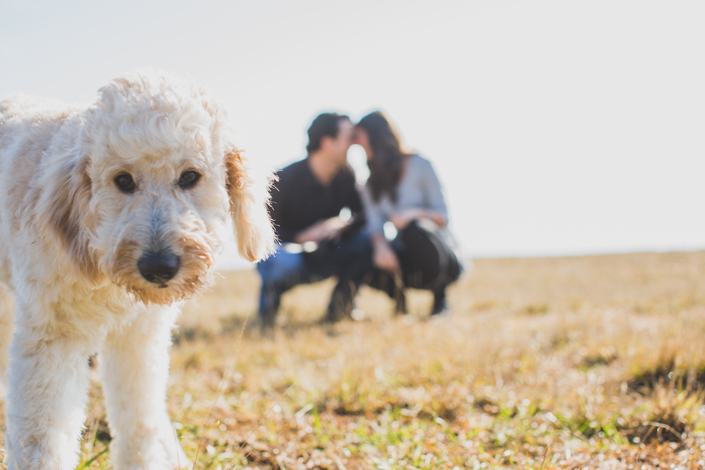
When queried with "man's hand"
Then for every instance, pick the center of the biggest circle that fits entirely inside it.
(322, 230)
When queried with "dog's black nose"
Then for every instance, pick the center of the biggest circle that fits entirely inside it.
(158, 268)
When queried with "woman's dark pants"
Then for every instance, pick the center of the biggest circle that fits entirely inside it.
(426, 262)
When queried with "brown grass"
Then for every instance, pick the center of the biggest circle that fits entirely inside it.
(584, 362)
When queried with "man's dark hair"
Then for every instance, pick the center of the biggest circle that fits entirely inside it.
(325, 124)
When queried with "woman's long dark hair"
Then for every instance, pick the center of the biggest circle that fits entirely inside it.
(388, 155)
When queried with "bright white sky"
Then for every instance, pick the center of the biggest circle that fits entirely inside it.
(557, 127)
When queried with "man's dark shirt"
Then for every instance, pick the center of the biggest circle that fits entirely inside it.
(299, 200)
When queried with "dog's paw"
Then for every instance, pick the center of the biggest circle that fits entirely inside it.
(176, 456)
(178, 460)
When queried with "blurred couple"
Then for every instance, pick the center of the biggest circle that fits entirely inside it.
(328, 226)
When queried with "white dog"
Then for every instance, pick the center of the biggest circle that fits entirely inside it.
(110, 216)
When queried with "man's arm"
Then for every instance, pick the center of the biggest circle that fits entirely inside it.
(334, 227)
(322, 230)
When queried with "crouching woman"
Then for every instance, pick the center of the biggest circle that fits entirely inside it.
(403, 189)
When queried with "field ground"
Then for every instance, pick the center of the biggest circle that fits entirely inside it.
(554, 363)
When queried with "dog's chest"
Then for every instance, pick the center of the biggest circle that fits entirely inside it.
(110, 306)
(90, 314)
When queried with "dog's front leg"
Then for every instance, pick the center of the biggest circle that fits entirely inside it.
(48, 380)
(6, 327)
(134, 368)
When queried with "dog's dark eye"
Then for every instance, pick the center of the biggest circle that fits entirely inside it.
(188, 179)
(125, 183)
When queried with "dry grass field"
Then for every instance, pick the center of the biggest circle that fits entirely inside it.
(554, 363)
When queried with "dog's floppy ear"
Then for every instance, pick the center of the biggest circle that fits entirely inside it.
(249, 199)
(64, 205)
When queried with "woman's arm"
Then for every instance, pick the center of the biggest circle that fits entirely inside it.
(437, 210)
(373, 215)
(383, 255)
(434, 203)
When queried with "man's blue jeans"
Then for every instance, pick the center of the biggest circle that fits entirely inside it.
(349, 259)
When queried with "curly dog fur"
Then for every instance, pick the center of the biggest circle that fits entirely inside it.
(103, 232)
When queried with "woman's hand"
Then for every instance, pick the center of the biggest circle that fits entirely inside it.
(384, 257)
(403, 218)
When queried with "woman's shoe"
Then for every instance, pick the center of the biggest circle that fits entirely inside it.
(400, 304)
(440, 305)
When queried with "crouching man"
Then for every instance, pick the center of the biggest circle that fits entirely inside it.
(318, 216)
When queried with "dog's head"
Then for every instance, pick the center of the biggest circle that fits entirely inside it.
(153, 180)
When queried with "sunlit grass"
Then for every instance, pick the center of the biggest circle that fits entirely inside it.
(592, 362)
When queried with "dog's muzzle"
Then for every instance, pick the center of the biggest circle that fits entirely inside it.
(159, 268)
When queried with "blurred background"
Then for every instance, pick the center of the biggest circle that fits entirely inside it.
(556, 127)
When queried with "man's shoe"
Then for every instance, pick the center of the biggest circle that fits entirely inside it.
(266, 323)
